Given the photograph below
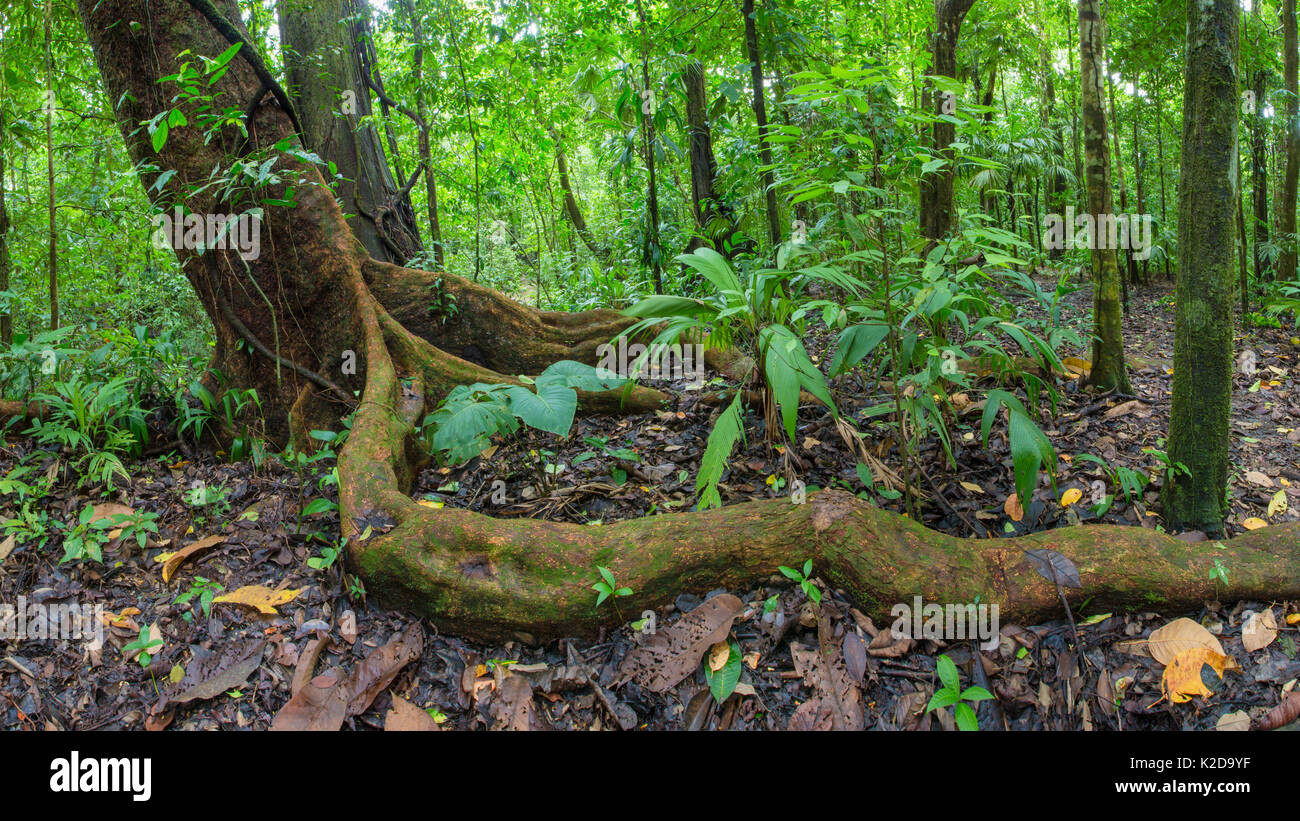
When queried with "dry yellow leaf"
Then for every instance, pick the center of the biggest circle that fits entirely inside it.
(718, 655)
(1293, 618)
(1071, 496)
(430, 503)
(1277, 505)
(1182, 678)
(972, 487)
(1254, 523)
(1013, 508)
(1077, 365)
(259, 597)
(1179, 636)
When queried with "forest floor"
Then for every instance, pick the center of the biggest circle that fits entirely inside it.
(227, 665)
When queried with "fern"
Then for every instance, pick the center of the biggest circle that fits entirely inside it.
(722, 440)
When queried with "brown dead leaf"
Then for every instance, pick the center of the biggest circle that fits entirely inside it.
(405, 716)
(1013, 508)
(512, 705)
(1259, 631)
(377, 670)
(223, 672)
(320, 705)
(7, 547)
(1178, 636)
(175, 560)
(675, 651)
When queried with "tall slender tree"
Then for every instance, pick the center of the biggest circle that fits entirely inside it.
(1108, 370)
(936, 188)
(1286, 222)
(760, 116)
(1202, 393)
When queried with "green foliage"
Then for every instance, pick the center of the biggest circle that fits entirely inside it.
(205, 590)
(144, 646)
(606, 586)
(465, 422)
(951, 695)
(1030, 447)
(803, 577)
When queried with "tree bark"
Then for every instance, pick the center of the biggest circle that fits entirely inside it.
(1287, 259)
(1123, 187)
(496, 578)
(52, 257)
(1201, 408)
(760, 116)
(322, 57)
(1259, 178)
(653, 250)
(1108, 371)
(937, 188)
(712, 220)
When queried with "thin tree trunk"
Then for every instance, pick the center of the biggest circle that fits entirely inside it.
(1160, 159)
(708, 211)
(937, 188)
(1108, 370)
(1123, 187)
(1139, 171)
(6, 318)
(1259, 177)
(52, 262)
(1201, 408)
(1287, 261)
(571, 209)
(424, 148)
(760, 116)
(654, 255)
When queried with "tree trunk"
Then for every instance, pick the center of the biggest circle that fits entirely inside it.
(489, 578)
(760, 116)
(1054, 197)
(52, 258)
(936, 188)
(1139, 172)
(1108, 371)
(1201, 408)
(712, 220)
(322, 57)
(1287, 260)
(6, 265)
(571, 209)
(653, 251)
(1123, 187)
(423, 147)
(1259, 178)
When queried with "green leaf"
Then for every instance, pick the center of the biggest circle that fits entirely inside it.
(948, 674)
(855, 343)
(550, 409)
(976, 693)
(722, 683)
(319, 506)
(965, 716)
(580, 376)
(722, 439)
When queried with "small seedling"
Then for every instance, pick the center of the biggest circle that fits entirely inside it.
(608, 587)
(952, 694)
(144, 645)
(809, 589)
(205, 590)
